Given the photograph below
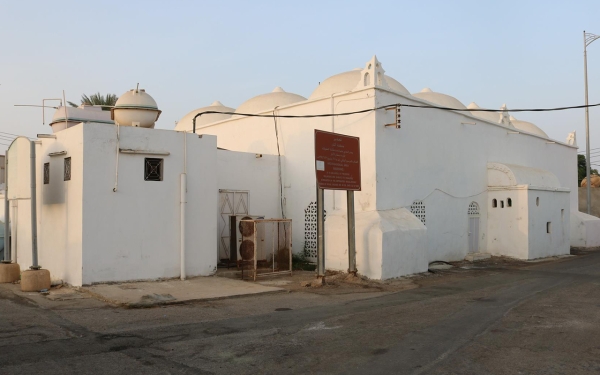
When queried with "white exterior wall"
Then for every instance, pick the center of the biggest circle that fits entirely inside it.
(134, 233)
(297, 145)
(243, 171)
(508, 227)
(87, 233)
(557, 242)
(59, 210)
(435, 154)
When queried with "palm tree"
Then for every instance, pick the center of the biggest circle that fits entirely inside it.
(106, 101)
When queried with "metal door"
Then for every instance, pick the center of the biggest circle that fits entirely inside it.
(230, 203)
(473, 214)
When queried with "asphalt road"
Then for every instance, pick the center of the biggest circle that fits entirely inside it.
(539, 319)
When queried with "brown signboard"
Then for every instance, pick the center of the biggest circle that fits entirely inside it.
(337, 161)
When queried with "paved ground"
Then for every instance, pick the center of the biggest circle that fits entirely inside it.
(168, 292)
(501, 318)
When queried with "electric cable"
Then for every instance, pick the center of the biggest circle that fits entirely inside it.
(399, 105)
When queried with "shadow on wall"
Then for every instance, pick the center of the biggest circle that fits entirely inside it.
(595, 200)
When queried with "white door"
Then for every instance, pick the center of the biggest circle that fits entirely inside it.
(473, 227)
(230, 203)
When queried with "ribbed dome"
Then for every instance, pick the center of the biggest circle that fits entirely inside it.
(265, 102)
(347, 81)
(528, 127)
(439, 99)
(494, 117)
(186, 122)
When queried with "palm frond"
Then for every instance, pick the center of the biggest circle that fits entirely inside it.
(106, 101)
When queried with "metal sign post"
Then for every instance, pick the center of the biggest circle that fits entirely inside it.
(337, 167)
(7, 255)
(34, 247)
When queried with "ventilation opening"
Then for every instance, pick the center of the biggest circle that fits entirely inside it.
(67, 171)
(509, 202)
(494, 203)
(562, 214)
(46, 173)
(501, 204)
(537, 201)
(417, 208)
(153, 169)
(549, 227)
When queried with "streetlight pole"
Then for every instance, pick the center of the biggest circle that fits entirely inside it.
(588, 38)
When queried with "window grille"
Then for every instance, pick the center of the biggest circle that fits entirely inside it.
(153, 169)
(46, 173)
(67, 169)
(473, 209)
(417, 208)
(310, 229)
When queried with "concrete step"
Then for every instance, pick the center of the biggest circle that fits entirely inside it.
(474, 257)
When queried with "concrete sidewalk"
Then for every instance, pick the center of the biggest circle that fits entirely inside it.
(152, 293)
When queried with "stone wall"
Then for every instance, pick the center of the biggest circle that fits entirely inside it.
(595, 201)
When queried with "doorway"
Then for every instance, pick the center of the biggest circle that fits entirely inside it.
(473, 214)
(231, 202)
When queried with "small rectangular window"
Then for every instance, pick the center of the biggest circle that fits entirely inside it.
(46, 173)
(562, 214)
(501, 204)
(548, 227)
(153, 169)
(67, 169)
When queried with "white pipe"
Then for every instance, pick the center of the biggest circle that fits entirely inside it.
(182, 203)
(117, 162)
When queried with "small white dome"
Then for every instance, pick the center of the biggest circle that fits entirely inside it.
(136, 108)
(186, 122)
(347, 81)
(494, 117)
(528, 127)
(265, 102)
(439, 99)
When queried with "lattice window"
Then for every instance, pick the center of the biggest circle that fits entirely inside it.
(67, 169)
(417, 208)
(473, 209)
(46, 173)
(310, 229)
(153, 169)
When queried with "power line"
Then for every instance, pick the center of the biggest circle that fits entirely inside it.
(398, 105)
(16, 135)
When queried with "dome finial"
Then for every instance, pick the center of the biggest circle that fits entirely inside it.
(278, 89)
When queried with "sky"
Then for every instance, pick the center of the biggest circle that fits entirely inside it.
(187, 54)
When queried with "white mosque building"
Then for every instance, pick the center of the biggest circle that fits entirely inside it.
(435, 187)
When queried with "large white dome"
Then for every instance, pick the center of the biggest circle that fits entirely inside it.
(439, 99)
(265, 102)
(347, 81)
(494, 117)
(528, 127)
(186, 122)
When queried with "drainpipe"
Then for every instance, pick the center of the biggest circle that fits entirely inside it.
(182, 203)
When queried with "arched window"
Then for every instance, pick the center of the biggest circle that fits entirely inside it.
(473, 209)
(367, 79)
(494, 203)
(508, 202)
